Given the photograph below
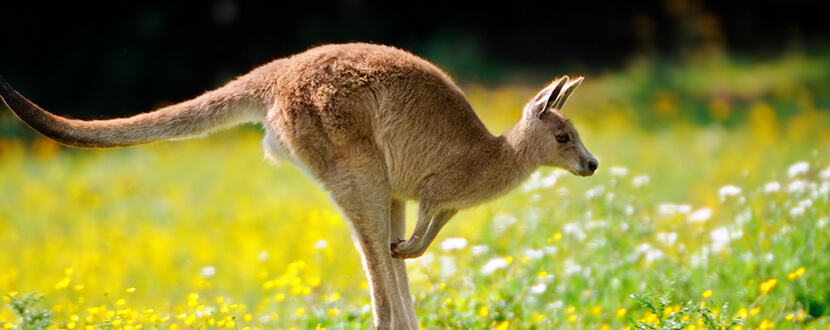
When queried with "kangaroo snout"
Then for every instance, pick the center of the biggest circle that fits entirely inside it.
(592, 166)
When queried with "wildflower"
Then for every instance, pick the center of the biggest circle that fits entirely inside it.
(789, 317)
(825, 175)
(797, 186)
(538, 289)
(300, 311)
(796, 274)
(333, 312)
(667, 239)
(707, 294)
(742, 313)
(504, 325)
(720, 238)
(797, 169)
(755, 311)
(594, 192)
(130, 290)
(480, 249)
(767, 285)
(483, 311)
(262, 256)
(619, 171)
(62, 284)
(454, 243)
(797, 211)
(640, 181)
(208, 271)
(701, 215)
(728, 191)
(766, 324)
(621, 312)
(596, 311)
(772, 187)
(572, 319)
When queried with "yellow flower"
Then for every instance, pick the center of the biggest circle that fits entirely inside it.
(504, 325)
(742, 313)
(767, 285)
(483, 311)
(707, 294)
(300, 311)
(621, 312)
(130, 290)
(755, 311)
(796, 274)
(62, 284)
(572, 319)
(766, 324)
(596, 311)
(789, 317)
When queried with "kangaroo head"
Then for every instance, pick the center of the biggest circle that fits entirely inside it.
(550, 135)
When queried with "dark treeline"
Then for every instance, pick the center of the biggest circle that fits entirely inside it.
(94, 60)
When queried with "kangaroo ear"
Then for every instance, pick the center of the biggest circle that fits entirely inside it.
(546, 98)
(566, 92)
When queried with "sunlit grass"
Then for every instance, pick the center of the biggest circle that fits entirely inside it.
(731, 212)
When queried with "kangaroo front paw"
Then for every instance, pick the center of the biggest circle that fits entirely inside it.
(405, 250)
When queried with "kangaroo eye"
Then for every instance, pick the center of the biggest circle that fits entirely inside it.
(563, 138)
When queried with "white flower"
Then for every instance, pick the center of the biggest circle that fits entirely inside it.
(797, 211)
(480, 249)
(538, 289)
(797, 186)
(772, 187)
(728, 190)
(549, 180)
(701, 215)
(619, 171)
(667, 238)
(448, 266)
(263, 256)
(640, 181)
(825, 175)
(719, 238)
(649, 252)
(594, 192)
(208, 271)
(534, 254)
(571, 268)
(454, 243)
(494, 265)
(797, 169)
(669, 210)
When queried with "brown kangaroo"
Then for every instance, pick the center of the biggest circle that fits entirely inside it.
(377, 126)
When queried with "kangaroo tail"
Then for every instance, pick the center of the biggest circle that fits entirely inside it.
(232, 104)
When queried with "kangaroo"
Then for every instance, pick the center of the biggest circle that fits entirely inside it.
(376, 126)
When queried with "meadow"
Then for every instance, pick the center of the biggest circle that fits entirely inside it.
(710, 210)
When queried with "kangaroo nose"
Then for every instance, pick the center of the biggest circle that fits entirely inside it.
(592, 165)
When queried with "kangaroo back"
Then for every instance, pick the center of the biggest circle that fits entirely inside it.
(229, 105)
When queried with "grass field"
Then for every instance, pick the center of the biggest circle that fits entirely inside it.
(713, 185)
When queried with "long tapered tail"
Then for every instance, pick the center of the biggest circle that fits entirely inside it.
(229, 105)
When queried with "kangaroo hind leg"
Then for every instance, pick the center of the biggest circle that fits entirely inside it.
(364, 198)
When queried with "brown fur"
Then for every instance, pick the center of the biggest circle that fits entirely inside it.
(377, 126)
